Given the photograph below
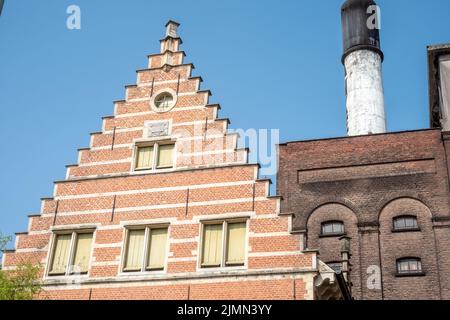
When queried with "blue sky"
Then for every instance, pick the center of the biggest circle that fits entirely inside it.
(271, 64)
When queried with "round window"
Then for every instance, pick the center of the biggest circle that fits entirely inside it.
(163, 101)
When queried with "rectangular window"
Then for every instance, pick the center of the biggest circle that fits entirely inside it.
(61, 254)
(145, 249)
(82, 253)
(71, 254)
(409, 266)
(224, 244)
(332, 228)
(135, 250)
(157, 248)
(144, 158)
(212, 245)
(165, 156)
(157, 156)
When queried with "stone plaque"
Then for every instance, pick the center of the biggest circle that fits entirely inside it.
(157, 129)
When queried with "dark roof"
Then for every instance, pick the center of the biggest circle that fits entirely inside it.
(171, 21)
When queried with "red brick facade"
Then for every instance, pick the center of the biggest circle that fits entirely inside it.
(210, 180)
(366, 182)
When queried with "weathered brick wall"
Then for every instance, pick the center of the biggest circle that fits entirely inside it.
(375, 178)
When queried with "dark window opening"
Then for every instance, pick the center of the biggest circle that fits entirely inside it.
(409, 266)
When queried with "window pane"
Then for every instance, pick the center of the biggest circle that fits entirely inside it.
(165, 156)
(409, 266)
(332, 228)
(236, 243)
(212, 245)
(144, 158)
(135, 250)
(409, 222)
(403, 266)
(405, 223)
(61, 254)
(338, 228)
(413, 266)
(82, 253)
(157, 254)
(327, 228)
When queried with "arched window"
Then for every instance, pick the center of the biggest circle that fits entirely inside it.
(409, 266)
(405, 223)
(333, 228)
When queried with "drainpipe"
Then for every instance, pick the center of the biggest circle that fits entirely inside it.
(346, 255)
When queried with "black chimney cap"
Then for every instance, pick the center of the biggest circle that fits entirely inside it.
(357, 31)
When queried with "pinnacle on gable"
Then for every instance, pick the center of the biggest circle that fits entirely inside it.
(171, 41)
(172, 28)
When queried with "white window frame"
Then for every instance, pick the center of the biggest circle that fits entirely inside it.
(223, 264)
(144, 269)
(73, 240)
(155, 144)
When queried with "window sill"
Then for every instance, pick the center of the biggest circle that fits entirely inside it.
(332, 235)
(65, 278)
(151, 170)
(406, 230)
(412, 274)
(146, 273)
(221, 269)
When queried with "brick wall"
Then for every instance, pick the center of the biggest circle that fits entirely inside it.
(365, 182)
(211, 179)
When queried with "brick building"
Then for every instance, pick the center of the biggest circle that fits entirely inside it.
(163, 205)
(387, 194)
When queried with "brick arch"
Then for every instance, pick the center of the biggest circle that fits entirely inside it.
(342, 204)
(302, 217)
(330, 247)
(397, 245)
(385, 202)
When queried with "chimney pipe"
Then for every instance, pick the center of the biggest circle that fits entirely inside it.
(362, 60)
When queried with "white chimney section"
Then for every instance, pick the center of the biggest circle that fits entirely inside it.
(362, 60)
(365, 97)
